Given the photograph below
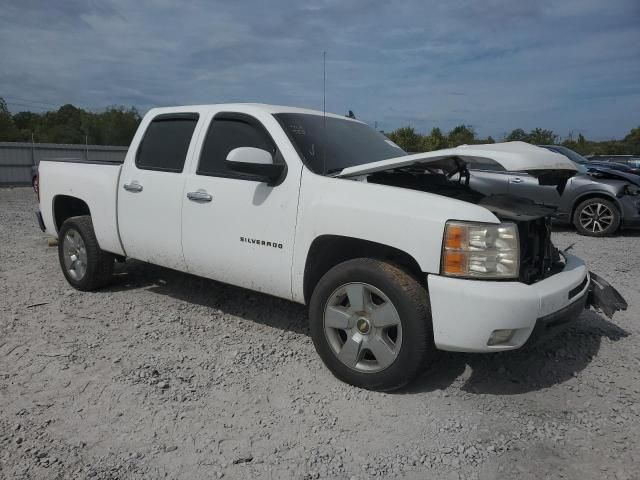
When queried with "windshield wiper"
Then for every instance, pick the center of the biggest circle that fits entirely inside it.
(333, 170)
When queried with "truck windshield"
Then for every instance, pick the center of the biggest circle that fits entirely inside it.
(329, 144)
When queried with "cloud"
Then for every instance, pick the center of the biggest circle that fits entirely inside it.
(568, 65)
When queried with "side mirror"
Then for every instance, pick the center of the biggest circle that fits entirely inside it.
(255, 162)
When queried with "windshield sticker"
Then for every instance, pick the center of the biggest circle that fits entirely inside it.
(297, 129)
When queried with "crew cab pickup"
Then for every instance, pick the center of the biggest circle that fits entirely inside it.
(394, 254)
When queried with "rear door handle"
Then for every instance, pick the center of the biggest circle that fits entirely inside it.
(132, 187)
(199, 196)
(516, 180)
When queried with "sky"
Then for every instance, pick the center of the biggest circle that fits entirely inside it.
(569, 65)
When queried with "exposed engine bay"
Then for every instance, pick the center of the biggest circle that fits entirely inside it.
(446, 173)
(450, 178)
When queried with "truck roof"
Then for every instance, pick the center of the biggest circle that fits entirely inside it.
(247, 108)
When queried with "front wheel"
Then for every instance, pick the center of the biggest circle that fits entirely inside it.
(84, 264)
(596, 217)
(371, 324)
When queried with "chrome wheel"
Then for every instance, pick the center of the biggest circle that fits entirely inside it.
(75, 254)
(596, 217)
(362, 327)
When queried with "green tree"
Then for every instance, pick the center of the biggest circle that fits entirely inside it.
(631, 142)
(407, 139)
(436, 140)
(27, 123)
(539, 136)
(461, 135)
(8, 130)
(517, 135)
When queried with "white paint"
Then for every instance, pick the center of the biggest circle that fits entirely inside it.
(513, 156)
(465, 312)
(250, 155)
(258, 237)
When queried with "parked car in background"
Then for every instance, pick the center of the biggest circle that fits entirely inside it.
(624, 162)
(596, 202)
(598, 161)
(620, 167)
(35, 179)
(632, 161)
(596, 168)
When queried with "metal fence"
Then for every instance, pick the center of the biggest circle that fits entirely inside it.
(17, 159)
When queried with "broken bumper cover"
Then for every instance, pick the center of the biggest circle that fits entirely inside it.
(466, 313)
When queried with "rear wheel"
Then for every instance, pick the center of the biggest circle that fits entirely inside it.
(84, 265)
(371, 325)
(596, 217)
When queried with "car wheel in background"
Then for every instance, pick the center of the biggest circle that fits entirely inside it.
(596, 217)
(371, 324)
(84, 265)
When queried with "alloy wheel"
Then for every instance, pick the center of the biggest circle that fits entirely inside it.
(75, 255)
(596, 217)
(363, 327)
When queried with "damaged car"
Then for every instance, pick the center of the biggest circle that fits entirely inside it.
(597, 201)
(395, 255)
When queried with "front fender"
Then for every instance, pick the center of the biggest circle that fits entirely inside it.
(407, 220)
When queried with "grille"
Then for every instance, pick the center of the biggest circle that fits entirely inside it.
(538, 257)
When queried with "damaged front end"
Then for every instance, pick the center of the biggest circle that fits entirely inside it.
(539, 258)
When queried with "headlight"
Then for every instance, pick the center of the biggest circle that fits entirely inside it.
(631, 190)
(480, 250)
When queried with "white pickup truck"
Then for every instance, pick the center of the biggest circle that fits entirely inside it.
(395, 256)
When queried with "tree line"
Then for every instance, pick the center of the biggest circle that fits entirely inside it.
(117, 125)
(412, 141)
(69, 124)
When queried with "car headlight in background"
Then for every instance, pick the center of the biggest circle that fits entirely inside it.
(480, 250)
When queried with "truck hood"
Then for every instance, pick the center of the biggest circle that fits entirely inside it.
(511, 156)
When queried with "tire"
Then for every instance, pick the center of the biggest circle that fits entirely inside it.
(357, 356)
(92, 268)
(596, 217)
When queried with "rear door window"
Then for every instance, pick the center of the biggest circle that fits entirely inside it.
(166, 142)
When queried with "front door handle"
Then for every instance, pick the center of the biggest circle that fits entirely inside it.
(132, 187)
(516, 180)
(199, 196)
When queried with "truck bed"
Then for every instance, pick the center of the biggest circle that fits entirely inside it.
(95, 183)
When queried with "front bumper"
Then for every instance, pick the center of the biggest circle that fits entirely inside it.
(466, 312)
(630, 211)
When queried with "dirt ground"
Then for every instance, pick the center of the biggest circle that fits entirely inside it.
(165, 375)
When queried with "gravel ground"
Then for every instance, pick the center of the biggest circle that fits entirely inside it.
(167, 375)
